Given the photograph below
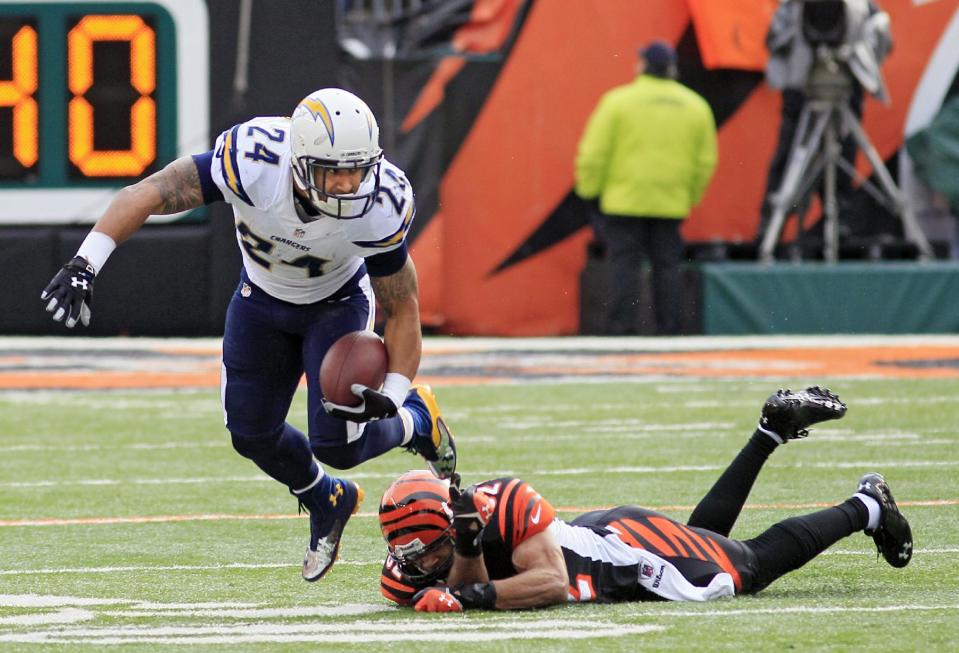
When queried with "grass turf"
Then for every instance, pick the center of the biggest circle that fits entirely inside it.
(141, 582)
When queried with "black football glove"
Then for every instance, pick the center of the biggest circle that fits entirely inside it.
(375, 405)
(471, 512)
(70, 293)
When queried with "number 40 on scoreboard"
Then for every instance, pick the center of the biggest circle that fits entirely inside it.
(95, 94)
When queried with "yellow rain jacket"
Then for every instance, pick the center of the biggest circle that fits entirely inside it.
(649, 149)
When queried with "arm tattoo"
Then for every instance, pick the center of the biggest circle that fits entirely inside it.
(396, 287)
(178, 185)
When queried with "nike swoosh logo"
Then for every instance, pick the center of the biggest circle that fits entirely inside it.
(535, 516)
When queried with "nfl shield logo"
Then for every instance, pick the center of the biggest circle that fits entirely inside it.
(647, 570)
(298, 233)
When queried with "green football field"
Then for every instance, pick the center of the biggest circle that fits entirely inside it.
(128, 523)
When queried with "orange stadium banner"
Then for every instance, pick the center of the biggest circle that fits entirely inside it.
(732, 33)
(513, 173)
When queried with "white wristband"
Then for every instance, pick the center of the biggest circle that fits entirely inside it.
(96, 249)
(396, 386)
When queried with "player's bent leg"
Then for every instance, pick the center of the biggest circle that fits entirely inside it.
(790, 544)
(261, 369)
(786, 415)
(330, 503)
(344, 445)
(720, 508)
(283, 454)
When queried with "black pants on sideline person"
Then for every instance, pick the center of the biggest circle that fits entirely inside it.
(629, 241)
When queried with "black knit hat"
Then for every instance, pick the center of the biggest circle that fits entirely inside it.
(660, 58)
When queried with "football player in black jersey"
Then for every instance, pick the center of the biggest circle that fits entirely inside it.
(499, 544)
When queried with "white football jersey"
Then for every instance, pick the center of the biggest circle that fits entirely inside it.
(296, 261)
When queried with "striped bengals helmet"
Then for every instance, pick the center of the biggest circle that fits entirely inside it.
(415, 519)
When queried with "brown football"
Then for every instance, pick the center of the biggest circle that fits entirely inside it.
(357, 357)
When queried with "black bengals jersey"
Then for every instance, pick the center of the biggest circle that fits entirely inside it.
(634, 554)
(623, 554)
(519, 514)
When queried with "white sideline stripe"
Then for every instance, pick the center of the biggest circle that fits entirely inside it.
(442, 630)
(62, 616)
(565, 343)
(627, 429)
(348, 610)
(51, 601)
(142, 446)
(573, 471)
(150, 568)
(287, 565)
(800, 610)
(937, 551)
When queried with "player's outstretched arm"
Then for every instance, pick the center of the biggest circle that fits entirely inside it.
(542, 578)
(171, 190)
(69, 295)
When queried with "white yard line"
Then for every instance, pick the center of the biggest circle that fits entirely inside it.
(439, 343)
(938, 551)
(573, 471)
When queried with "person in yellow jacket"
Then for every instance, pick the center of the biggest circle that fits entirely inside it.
(646, 157)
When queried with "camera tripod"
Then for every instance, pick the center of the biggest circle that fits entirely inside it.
(817, 150)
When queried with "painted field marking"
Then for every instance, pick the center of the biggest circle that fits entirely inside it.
(22, 628)
(57, 617)
(161, 519)
(223, 631)
(574, 471)
(937, 551)
(735, 612)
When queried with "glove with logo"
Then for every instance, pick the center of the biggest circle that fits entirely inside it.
(70, 292)
(436, 599)
(375, 405)
(472, 509)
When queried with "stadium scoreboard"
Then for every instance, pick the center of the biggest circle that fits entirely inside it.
(95, 94)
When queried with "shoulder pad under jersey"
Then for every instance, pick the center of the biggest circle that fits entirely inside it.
(251, 161)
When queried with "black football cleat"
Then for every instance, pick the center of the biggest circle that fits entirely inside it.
(788, 414)
(893, 537)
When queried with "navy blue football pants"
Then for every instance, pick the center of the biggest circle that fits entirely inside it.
(267, 346)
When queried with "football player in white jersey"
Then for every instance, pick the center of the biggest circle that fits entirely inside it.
(321, 221)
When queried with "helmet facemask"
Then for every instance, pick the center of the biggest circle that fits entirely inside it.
(408, 558)
(417, 521)
(310, 176)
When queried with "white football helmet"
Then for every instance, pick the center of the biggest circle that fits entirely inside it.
(333, 129)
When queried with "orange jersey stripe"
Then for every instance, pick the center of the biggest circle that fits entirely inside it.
(503, 501)
(719, 557)
(626, 535)
(659, 544)
(668, 528)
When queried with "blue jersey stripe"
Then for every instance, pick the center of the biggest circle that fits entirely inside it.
(230, 166)
(211, 192)
(394, 238)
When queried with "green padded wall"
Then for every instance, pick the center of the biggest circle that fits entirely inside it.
(817, 298)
